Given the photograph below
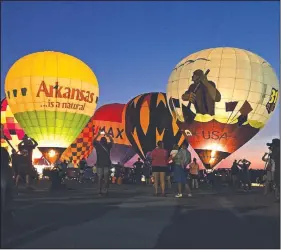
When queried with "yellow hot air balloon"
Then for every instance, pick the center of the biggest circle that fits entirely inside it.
(221, 97)
(52, 96)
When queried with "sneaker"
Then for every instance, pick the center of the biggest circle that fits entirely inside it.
(189, 195)
(178, 196)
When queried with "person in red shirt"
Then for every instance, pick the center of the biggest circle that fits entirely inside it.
(159, 164)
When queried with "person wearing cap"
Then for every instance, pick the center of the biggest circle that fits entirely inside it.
(274, 147)
(270, 169)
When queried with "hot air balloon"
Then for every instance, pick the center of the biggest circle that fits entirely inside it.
(12, 130)
(81, 147)
(148, 120)
(110, 118)
(221, 98)
(52, 95)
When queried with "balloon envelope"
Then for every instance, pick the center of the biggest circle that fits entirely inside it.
(231, 105)
(53, 96)
(110, 118)
(148, 120)
(81, 147)
(12, 130)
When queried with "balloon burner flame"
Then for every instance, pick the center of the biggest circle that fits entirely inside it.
(52, 153)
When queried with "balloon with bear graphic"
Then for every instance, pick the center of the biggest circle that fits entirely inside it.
(221, 98)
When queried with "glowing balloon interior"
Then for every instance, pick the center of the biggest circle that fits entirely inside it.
(222, 110)
(52, 95)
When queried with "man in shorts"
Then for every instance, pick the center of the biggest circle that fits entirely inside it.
(103, 159)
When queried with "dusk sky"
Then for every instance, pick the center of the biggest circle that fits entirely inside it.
(133, 46)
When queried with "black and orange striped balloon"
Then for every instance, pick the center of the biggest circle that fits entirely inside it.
(148, 120)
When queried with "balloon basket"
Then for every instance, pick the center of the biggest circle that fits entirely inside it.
(51, 154)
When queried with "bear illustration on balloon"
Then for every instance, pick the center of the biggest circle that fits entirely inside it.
(203, 94)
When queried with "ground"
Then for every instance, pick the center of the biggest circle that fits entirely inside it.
(131, 217)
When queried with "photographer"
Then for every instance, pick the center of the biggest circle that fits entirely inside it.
(28, 144)
(274, 147)
(270, 168)
(103, 159)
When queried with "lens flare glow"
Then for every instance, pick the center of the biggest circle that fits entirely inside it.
(52, 153)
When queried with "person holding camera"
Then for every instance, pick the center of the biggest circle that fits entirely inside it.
(28, 144)
(274, 154)
(103, 149)
(269, 168)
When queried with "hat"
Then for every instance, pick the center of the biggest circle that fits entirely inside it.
(275, 142)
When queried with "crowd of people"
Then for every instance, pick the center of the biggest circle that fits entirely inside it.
(159, 163)
(159, 167)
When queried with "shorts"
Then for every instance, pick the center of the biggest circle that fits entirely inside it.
(103, 171)
(24, 170)
(180, 175)
(159, 169)
(194, 176)
(269, 176)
